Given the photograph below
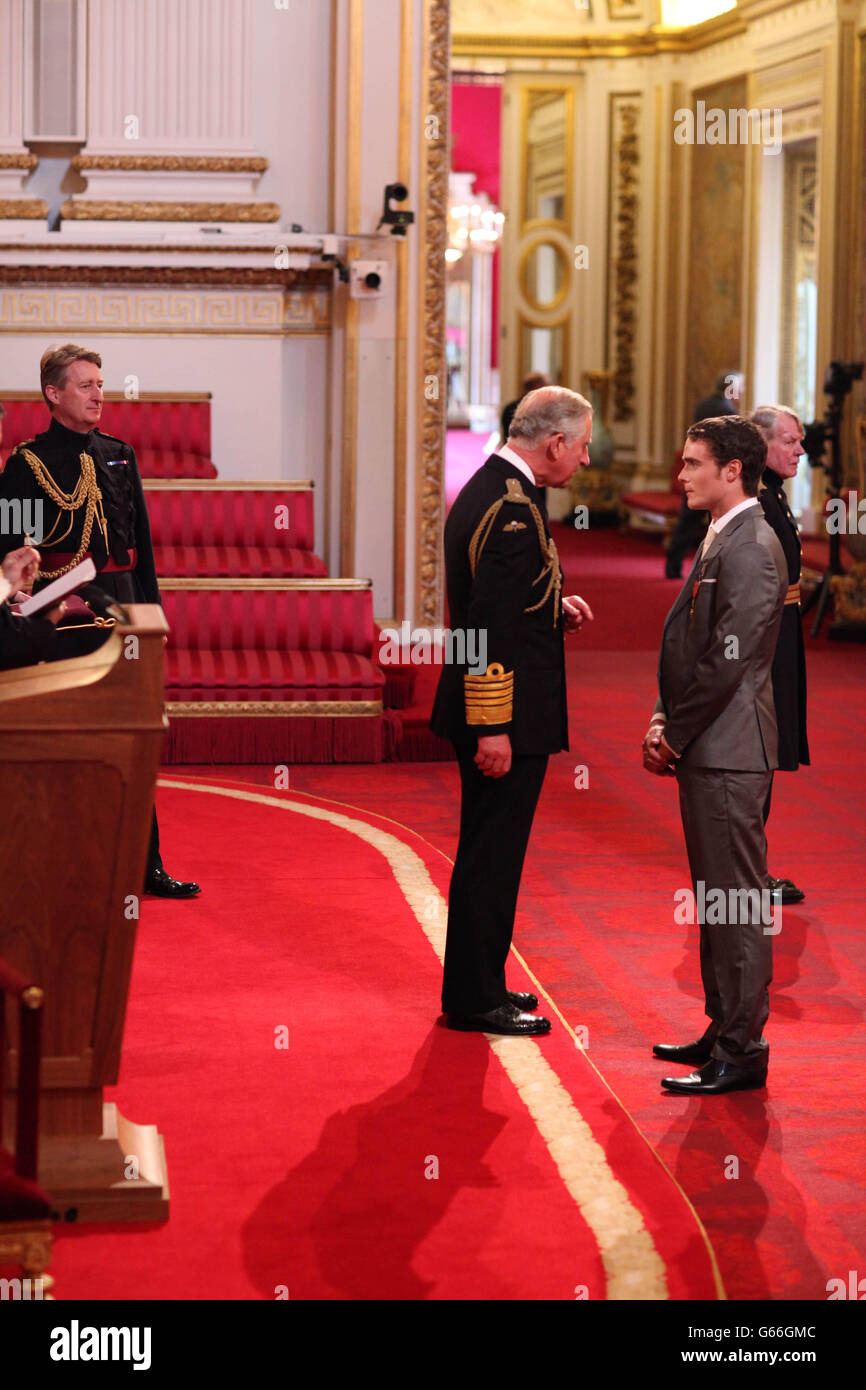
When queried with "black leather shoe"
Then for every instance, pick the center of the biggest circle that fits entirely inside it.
(789, 890)
(522, 1002)
(505, 1019)
(717, 1077)
(161, 885)
(695, 1053)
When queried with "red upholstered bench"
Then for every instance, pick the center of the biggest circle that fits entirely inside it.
(233, 530)
(170, 432)
(655, 510)
(272, 670)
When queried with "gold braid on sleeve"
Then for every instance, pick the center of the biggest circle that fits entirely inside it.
(86, 493)
(489, 698)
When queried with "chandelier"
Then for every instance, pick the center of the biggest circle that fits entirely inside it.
(474, 223)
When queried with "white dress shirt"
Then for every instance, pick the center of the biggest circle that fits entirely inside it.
(512, 457)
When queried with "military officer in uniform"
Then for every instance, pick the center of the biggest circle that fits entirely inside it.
(782, 428)
(504, 584)
(92, 504)
(24, 641)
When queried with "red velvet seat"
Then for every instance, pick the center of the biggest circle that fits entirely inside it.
(655, 509)
(163, 463)
(171, 438)
(240, 562)
(212, 531)
(21, 1199)
(271, 675)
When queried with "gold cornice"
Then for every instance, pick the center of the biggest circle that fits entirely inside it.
(18, 161)
(33, 208)
(293, 709)
(635, 44)
(432, 367)
(314, 278)
(218, 164)
(85, 209)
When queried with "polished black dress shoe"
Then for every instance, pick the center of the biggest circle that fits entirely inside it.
(717, 1077)
(506, 1019)
(695, 1053)
(789, 890)
(524, 1002)
(161, 885)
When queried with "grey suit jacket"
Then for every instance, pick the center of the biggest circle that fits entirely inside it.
(715, 666)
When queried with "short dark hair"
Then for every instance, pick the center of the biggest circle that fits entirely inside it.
(733, 437)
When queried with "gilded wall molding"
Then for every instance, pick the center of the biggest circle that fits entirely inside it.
(192, 163)
(432, 385)
(182, 276)
(96, 210)
(32, 208)
(18, 161)
(623, 217)
(165, 311)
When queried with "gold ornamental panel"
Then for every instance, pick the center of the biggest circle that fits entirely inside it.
(164, 311)
(544, 265)
(547, 155)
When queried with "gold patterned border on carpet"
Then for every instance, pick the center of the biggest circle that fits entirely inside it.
(633, 1267)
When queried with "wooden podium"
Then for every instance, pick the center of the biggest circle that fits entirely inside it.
(80, 743)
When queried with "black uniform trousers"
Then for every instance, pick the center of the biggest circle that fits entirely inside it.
(496, 816)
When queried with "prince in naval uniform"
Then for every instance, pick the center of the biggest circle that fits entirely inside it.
(782, 429)
(92, 504)
(504, 584)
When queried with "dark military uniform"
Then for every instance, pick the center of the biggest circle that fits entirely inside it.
(123, 557)
(503, 580)
(25, 641)
(789, 666)
(119, 541)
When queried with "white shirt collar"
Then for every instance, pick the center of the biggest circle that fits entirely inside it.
(511, 457)
(735, 511)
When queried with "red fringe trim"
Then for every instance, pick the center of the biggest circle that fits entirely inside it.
(274, 740)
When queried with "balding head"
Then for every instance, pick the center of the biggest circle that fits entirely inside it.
(550, 430)
(549, 410)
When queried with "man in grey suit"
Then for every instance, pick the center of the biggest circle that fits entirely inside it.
(714, 727)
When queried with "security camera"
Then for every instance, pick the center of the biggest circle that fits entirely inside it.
(368, 279)
(392, 217)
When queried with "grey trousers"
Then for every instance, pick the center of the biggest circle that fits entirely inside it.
(723, 821)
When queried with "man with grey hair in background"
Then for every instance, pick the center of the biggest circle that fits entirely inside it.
(782, 429)
(504, 580)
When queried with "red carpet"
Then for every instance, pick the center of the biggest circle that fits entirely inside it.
(306, 1167)
(282, 1163)
(596, 926)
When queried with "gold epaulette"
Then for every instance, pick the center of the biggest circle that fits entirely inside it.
(550, 568)
(489, 698)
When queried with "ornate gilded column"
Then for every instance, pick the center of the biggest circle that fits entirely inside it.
(432, 371)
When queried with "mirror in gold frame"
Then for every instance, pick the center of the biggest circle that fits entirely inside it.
(544, 350)
(547, 159)
(544, 273)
